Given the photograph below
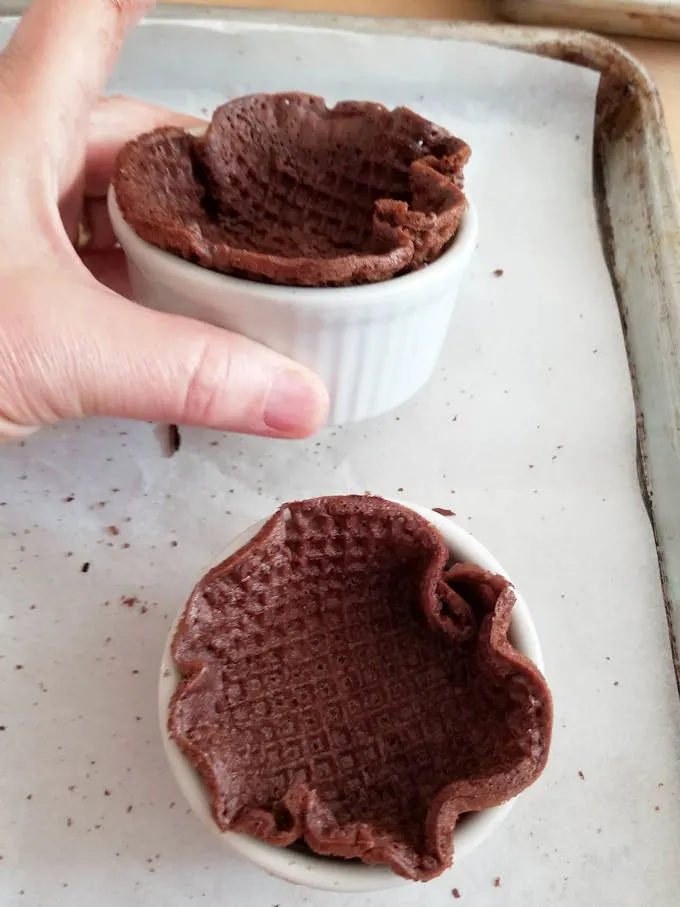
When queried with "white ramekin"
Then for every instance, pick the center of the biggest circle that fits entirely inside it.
(318, 871)
(374, 346)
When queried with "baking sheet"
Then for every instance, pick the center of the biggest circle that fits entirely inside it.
(527, 433)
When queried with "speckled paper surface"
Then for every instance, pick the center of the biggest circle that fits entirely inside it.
(527, 433)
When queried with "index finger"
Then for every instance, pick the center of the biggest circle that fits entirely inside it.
(61, 54)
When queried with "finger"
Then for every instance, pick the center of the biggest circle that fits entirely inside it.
(60, 56)
(158, 367)
(98, 354)
(113, 122)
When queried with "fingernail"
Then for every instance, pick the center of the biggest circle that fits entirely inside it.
(295, 404)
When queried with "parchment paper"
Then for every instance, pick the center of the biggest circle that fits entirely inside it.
(527, 432)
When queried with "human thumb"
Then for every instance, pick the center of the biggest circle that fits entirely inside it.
(79, 349)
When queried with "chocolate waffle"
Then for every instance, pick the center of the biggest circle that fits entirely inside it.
(285, 190)
(343, 684)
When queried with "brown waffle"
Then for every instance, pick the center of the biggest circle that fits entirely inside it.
(285, 190)
(343, 685)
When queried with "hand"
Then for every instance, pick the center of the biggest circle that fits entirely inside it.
(71, 344)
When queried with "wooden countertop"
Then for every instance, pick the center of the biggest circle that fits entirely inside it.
(661, 58)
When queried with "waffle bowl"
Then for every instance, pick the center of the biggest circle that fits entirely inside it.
(282, 189)
(460, 810)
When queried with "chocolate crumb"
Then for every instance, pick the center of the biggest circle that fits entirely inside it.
(113, 530)
(68, 499)
(3, 727)
(129, 809)
(85, 567)
(107, 793)
(174, 544)
(455, 893)
(444, 511)
(581, 776)
(143, 609)
(174, 439)
(18, 667)
(69, 821)
(125, 545)
(499, 272)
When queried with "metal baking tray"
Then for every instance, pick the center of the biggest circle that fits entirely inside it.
(636, 193)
